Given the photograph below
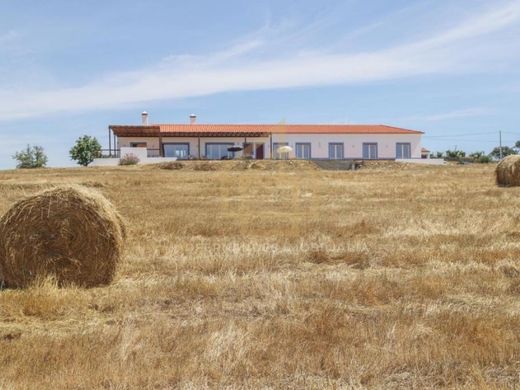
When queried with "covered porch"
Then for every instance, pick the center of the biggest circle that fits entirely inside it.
(213, 145)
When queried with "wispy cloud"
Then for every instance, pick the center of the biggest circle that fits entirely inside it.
(237, 68)
(8, 37)
(455, 114)
(489, 21)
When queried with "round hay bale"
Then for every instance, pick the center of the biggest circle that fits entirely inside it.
(508, 171)
(71, 233)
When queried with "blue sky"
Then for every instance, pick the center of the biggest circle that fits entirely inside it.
(68, 68)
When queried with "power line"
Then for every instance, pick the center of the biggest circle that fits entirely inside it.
(466, 140)
(459, 135)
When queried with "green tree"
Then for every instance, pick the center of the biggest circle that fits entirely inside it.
(455, 154)
(506, 151)
(480, 157)
(31, 157)
(85, 150)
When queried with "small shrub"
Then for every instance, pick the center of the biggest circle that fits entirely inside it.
(205, 166)
(319, 256)
(509, 271)
(514, 287)
(484, 159)
(171, 165)
(479, 157)
(129, 159)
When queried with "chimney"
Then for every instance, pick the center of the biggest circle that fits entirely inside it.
(144, 118)
(193, 119)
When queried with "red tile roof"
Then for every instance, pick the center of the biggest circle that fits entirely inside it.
(164, 129)
(281, 128)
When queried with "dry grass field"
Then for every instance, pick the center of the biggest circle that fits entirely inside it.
(386, 277)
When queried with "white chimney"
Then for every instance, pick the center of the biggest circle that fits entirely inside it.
(193, 119)
(144, 118)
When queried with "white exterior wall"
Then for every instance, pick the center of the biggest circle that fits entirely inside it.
(140, 153)
(151, 142)
(423, 161)
(353, 143)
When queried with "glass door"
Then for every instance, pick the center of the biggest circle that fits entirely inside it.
(280, 155)
(403, 150)
(218, 151)
(336, 151)
(303, 150)
(179, 150)
(369, 151)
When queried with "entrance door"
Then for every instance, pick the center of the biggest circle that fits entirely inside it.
(336, 151)
(303, 150)
(370, 151)
(403, 150)
(260, 152)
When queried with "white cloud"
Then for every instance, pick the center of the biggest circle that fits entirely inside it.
(8, 37)
(233, 70)
(489, 21)
(455, 114)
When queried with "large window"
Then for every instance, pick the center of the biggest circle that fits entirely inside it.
(280, 155)
(403, 150)
(336, 151)
(216, 151)
(369, 151)
(179, 150)
(303, 150)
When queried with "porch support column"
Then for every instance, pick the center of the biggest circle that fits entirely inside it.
(115, 144)
(198, 140)
(109, 143)
(161, 151)
(271, 145)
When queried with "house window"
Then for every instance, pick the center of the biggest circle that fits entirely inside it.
(218, 151)
(369, 151)
(336, 151)
(303, 150)
(179, 150)
(138, 144)
(403, 150)
(278, 155)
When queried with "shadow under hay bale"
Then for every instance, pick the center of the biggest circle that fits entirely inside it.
(508, 171)
(72, 233)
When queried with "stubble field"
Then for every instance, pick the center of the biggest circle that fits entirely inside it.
(385, 277)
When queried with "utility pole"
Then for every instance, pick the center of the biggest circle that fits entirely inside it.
(500, 142)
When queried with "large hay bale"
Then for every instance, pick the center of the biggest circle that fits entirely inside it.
(508, 171)
(72, 233)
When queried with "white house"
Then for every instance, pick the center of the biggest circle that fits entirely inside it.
(262, 141)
